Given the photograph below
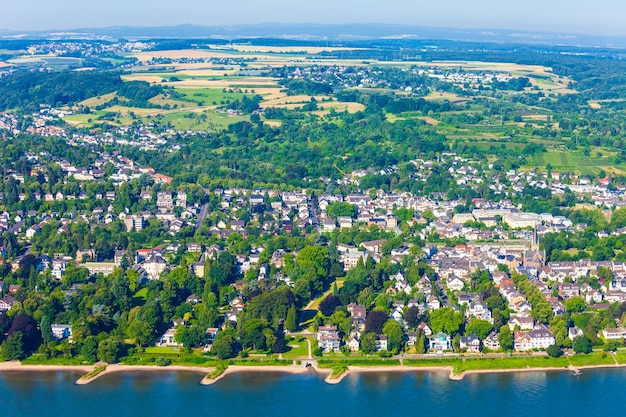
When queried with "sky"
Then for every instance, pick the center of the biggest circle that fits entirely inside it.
(598, 17)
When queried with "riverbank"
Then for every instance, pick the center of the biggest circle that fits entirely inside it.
(94, 372)
(232, 369)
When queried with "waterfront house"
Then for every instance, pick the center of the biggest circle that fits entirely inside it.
(440, 342)
(471, 343)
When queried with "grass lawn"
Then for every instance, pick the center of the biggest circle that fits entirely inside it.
(620, 356)
(472, 364)
(141, 294)
(39, 359)
(593, 358)
(299, 348)
(162, 350)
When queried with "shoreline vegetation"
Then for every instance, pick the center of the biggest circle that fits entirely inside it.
(335, 370)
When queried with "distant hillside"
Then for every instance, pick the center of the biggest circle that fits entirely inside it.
(335, 33)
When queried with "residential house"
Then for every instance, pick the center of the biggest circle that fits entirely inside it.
(433, 303)
(541, 337)
(523, 322)
(423, 327)
(479, 311)
(573, 332)
(491, 341)
(353, 344)
(328, 338)
(61, 331)
(440, 342)
(455, 283)
(614, 334)
(381, 343)
(6, 303)
(521, 341)
(471, 343)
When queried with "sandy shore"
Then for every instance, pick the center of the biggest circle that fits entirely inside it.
(232, 369)
(110, 369)
(382, 369)
(17, 366)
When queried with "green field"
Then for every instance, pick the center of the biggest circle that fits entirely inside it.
(210, 96)
(575, 161)
(298, 348)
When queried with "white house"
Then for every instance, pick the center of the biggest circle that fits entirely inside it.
(61, 331)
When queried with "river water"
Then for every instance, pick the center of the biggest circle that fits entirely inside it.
(525, 394)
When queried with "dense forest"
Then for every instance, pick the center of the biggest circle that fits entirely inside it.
(26, 91)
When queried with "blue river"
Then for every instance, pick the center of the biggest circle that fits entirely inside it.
(524, 394)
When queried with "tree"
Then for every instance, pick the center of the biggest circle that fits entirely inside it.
(31, 335)
(46, 330)
(575, 305)
(189, 337)
(446, 320)
(481, 328)
(109, 350)
(505, 338)
(558, 327)
(90, 349)
(291, 323)
(395, 335)
(412, 317)
(329, 304)
(581, 344)
(554, 351)
(368, 342)
(13, 347)
(141, 331)
(374, 321)
(224, 345)
(341, 209)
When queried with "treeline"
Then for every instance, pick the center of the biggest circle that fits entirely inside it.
(27, 91)
(392, 103)
(308, 87)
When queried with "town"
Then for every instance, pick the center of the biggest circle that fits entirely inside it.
(369, 271)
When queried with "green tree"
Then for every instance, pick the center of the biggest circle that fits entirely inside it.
(575, 305)
(446, 320)
(13, 347)
(341, 209)
(109, 350)
(189, 337)
(224, 345)
(291, 320)
(554, 351)
(90, 349)
(395, 335)
(141, 331)
(481, 328)
(505, 338)
(558, 327)
(581, 344)
(368, 342)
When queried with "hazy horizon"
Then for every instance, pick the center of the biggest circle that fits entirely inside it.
(602, 17)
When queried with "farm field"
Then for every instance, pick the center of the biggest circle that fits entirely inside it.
(577, 162)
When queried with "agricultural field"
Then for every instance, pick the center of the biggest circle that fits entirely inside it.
(575, 161)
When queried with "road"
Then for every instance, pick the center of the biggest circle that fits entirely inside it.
(201, 216)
